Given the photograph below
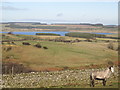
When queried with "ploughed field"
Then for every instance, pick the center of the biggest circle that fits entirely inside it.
(57, 79)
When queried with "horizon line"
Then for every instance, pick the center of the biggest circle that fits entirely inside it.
(53, 22)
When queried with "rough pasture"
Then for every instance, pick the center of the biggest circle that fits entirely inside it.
(73, 55)
(58, 55)
(65, 78)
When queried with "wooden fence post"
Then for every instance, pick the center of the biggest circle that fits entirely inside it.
(12, 70)
(5, 69)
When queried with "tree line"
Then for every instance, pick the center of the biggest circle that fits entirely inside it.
(39, 27)
(84, 35)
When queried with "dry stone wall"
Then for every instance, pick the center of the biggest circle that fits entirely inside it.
(49, 79)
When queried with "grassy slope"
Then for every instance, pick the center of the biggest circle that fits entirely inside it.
(60, 54)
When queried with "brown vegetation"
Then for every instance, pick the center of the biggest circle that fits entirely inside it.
(12, 67)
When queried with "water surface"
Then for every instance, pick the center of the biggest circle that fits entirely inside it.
(62, 33)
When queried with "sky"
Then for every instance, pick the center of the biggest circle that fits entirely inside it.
(60, 12)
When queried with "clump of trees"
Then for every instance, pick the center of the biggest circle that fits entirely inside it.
(88, 40)
(38, 45)
(45, 47)
(98, 24)
(84, 35)
(111, 46)
(53, 34)
(59, 39)
(10, 32)
(26, 43)
(7, 48)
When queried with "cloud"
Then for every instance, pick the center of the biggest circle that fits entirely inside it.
(59, 14)
(11, 8)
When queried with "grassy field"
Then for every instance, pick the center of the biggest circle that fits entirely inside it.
(59, 54)
(62, 65)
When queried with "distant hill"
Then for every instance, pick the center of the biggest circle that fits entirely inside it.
(98, 24)
(39, 23)
(34, 23)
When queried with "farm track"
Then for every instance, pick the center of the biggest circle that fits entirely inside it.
(52, 79)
